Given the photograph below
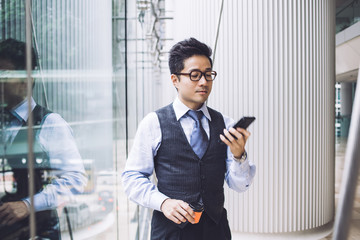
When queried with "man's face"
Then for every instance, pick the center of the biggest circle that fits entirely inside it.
(12, 90)
(193, 93)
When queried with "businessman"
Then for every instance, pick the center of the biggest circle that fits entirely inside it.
(193, 149)
(59, 172)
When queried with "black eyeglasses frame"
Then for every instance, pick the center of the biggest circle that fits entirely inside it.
(213, 73)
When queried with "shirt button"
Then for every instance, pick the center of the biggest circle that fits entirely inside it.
(202, 176)
(203, 191)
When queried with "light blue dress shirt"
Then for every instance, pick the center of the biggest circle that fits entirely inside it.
(140, 163)
(56, 139)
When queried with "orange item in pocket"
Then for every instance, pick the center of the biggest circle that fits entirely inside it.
(197, 216)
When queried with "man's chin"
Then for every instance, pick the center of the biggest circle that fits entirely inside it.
(201, 100)
(13, 101)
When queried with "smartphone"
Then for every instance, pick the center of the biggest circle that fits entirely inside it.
(244, 122)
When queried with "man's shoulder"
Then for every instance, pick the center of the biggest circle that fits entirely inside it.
(164, 109)
(227, 120)
(40, 113)
(45, 117)
(214, 113)
(152, 119)
(149, 121)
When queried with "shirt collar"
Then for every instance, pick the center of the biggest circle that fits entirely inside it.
(181, 109)
(21, 110)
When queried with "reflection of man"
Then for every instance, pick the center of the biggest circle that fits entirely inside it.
(182, 143)
(59, 171)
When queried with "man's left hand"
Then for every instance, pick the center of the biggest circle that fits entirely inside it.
(237, 146)
(12, 212)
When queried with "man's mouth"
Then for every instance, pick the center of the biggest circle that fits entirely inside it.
(201, 91)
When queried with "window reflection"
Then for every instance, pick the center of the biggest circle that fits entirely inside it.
(58, 168)
(81, 77)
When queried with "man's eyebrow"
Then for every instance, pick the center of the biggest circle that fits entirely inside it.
(192, 69)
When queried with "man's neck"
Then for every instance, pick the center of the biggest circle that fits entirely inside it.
(192, 106)
(13, 104)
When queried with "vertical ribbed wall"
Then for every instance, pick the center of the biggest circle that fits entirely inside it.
(74, 77)
(275, 60)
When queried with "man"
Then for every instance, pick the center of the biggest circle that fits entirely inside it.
(192, 152)
(59, 172)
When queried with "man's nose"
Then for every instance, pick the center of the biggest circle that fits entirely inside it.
(203, 80)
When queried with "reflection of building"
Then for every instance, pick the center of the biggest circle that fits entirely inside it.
(75, 74)
(91, 174)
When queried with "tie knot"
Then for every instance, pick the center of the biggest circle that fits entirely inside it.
(196, 115)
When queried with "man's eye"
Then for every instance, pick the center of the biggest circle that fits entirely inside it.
(195, 74)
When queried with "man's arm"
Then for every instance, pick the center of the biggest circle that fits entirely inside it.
(69, 176)
(239, 175)
(140, 166)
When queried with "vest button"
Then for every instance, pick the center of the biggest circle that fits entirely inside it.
(202, 176)
(203, 191)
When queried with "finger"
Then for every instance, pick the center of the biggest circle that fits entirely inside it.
(176, 213)
(182, 216)
(224, 140)
(188, 209)
(178, 217)
(173, 218)
(11, 221)
(188, 214)
(228, 136)
(236, 133)
(3, 214)
(3, 208)
(5, 220)
(244, 132)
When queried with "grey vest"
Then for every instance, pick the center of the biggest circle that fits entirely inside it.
(180, 172)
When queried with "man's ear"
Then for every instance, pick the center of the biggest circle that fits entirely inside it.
(175, 80)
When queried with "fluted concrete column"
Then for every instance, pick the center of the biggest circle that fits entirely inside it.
(275, 60)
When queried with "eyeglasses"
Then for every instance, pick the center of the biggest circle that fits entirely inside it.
(196, 75)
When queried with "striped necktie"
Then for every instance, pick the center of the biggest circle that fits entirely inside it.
(198, 139)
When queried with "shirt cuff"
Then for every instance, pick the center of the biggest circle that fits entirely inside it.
(27, 203)
(156, 200)
(40, 202)
(238, 168)
(240, 160)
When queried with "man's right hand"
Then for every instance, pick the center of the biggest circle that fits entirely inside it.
(12, 212)
(177, 211)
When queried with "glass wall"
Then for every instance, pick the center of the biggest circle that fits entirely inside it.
(92, 61)
(347, 14)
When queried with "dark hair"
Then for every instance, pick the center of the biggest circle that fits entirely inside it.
(184, 50)
(15, 51)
